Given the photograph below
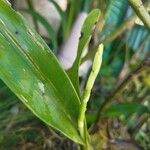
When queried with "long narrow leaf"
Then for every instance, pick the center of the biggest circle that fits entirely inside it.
(32, 72)
(86, 34)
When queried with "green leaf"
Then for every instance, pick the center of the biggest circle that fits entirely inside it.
(61, 13)
(32, 72)
(114, 15)
(137, 36)
(46, 25)
(90, 118)
(74, 8)
(113, 18)
(125, 109)
(86, 34)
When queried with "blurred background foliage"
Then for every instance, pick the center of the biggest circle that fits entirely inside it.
(127, 44)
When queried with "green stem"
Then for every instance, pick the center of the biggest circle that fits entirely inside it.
(134, 130)
(73, 10)
(62, 15)
(86, 95)
(141, 12)
(30, 5)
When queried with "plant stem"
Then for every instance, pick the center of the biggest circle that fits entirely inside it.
(62, 14)
(74, 8)
(86, 95)
(134, 130)
(142, 67)
(141, 12)
(30, 5)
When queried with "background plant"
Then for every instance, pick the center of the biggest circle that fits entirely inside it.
(125, 57)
